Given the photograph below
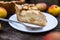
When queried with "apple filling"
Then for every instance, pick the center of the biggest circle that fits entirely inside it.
(33, 16)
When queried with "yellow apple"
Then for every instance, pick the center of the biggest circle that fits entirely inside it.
(41, 6)
(54, 10)
(3, 12)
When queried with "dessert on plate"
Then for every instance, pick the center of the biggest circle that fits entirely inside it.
(28, 13)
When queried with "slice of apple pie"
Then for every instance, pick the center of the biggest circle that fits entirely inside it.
(34, 16)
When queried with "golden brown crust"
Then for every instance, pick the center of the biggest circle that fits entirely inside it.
(33, 16)
(10, 6)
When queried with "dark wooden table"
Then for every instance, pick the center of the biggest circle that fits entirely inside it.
(9, 33)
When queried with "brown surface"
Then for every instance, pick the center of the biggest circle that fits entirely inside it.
(9, 33)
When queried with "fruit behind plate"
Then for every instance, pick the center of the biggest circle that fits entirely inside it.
(54, 10)
(3, 12)
(41, 6)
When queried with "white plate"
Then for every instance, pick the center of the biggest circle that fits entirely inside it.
(51, 24)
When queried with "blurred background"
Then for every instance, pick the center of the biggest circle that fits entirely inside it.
(49, 2)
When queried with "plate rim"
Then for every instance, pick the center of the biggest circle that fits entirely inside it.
(31, 31)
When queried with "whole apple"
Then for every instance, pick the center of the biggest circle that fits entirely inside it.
(54, 10)
(41, 6)
(52, 36)
(3, 12)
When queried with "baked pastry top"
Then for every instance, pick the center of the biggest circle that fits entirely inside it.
(29, 14)
(10, 5)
